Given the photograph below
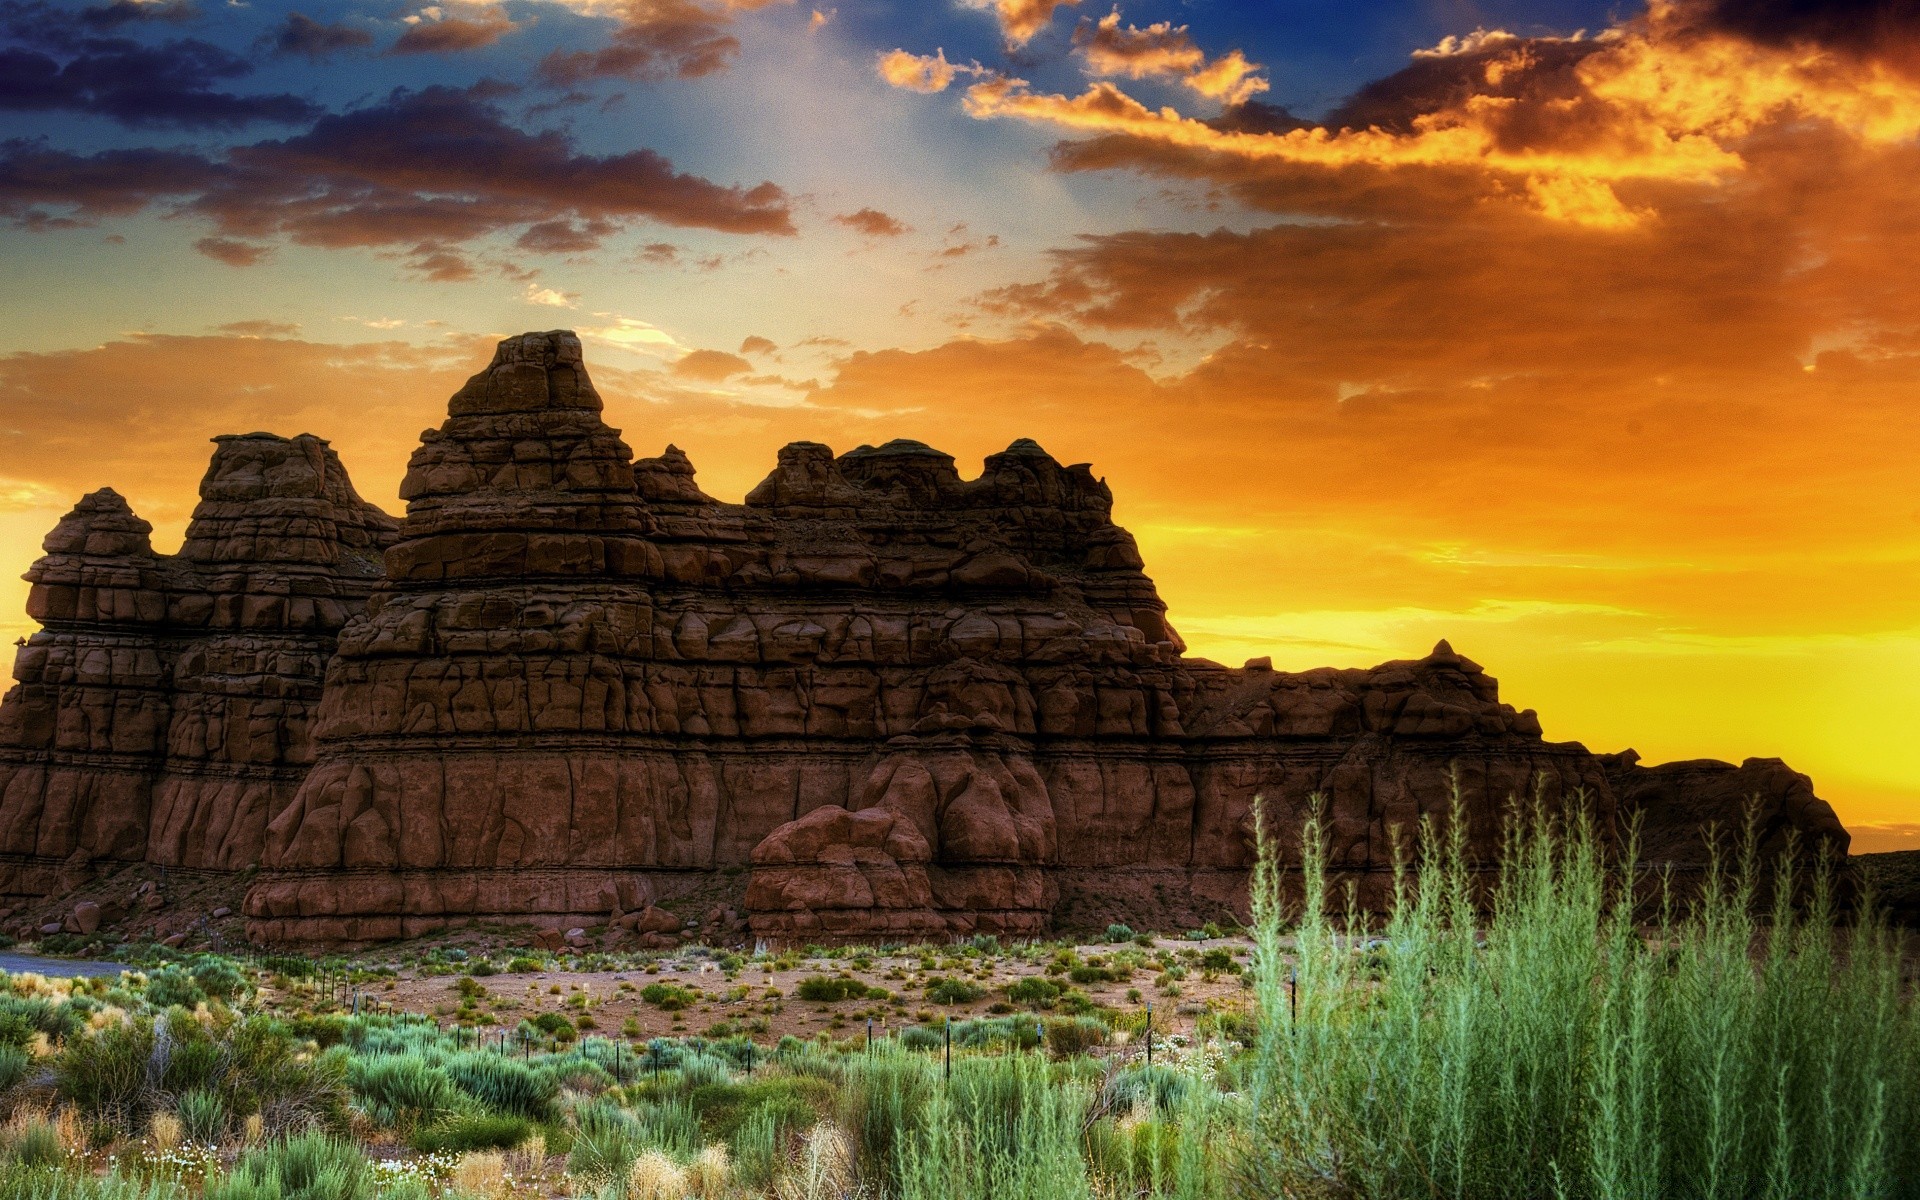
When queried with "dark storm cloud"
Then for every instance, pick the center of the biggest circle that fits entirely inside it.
(127, 12)
(1539, 70)
(302, 35)
(48, 68)
(1868, 28)
(430, 168)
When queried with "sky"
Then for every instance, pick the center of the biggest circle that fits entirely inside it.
(1584, 336)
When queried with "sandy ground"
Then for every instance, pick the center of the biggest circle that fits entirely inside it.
(762, 999)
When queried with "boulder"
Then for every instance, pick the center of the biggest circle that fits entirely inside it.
(86, 917)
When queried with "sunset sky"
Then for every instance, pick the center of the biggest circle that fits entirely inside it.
(1585, 336)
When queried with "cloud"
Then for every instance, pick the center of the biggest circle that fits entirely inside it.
(302, 35)
(1164, 50)
(1566, 127)
(1021, 20)
(872, 222)
(656, 39)
(551, 298)
(127, 12)
(174, 83)
(711, 366)
(427, 169)
(918, 72)
(231, 252)
(260, 328)
(436, 31)
(755, 344)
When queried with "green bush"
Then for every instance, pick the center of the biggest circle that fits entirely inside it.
(670, 996)
(203, 1116)
(471, 1131)
(309, 1167)
(1068, 1036)
(37, 1145)
(401, 1091)
(921, 1037)
(1119, 933)
(942, 990)
(104, 1073)
(219, 979)
(830, 989)
(15, 1064)
(606, 1140)
(1219, 958)
(172, 986)
(505, 1085)
(1035, 991)
(523, 965)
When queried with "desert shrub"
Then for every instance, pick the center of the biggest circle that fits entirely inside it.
(1067, 1036)
(311, 1166)
(669, 996)
(505, 1085)
(921, 1037)
(219, 979)
(1117, 932)
(606, 1140)
(881, 1098)
(104, 1072)
(15, 1065)
(523, 965)
(203, 1115)
(1035, 991)
(555, 1026)
(1156, 1087)
(171, 987)
(795, 1101)
(462, 1132)
(942, 990)
(830, 989)
(37, 1144)
(1219, 958)
(400, 1090)
(21, 1182)
(1551, 1048)
(1004, 1129)
(701, 1069)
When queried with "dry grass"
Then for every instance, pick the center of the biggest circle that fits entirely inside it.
(654, 1176)
(481, 1174)
(711, 1173)
(164, 1132)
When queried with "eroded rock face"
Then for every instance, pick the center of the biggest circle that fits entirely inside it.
(162, 712)
(875, 700)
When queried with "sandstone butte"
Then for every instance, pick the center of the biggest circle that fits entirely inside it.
(875, 700)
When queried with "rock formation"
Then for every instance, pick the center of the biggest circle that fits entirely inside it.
(876, 699)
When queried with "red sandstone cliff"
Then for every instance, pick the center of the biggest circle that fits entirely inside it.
(876, 699)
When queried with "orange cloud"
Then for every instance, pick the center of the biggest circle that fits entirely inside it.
(1021, 20)
(872, 222)
(1564, 126)
(1165, 50)
(655, 39)
(434, 30)
(927, 73)
(711, 366)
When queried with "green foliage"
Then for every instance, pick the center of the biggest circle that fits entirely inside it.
(1219, 958)
(20, 1181)
(555, 1026)
(173, 986)
(401, 1091)
(309, 1167)
(829, 989)
(105, 1072)
(1119, 933)
(219, 979)
(522, 965)
(1562, 1051)
(670, 996)
(1035, 991)
(505, 1085)
(921, 1037)
(203, 1116)
(462, 1132)
(37, 1145)
(15, 1065)
(1067, 1036)
(942, 990)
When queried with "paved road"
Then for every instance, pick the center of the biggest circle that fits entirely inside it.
(67, 967)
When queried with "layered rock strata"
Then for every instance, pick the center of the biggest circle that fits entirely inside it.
(162, 713)
(875, 700)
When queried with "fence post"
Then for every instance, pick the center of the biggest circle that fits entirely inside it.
(1149, 1033)
(949, 1077)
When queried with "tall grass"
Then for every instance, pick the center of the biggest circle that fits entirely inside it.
(1570, 1051)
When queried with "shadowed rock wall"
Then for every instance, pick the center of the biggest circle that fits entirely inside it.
(876, 699)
